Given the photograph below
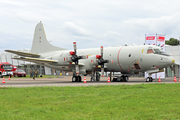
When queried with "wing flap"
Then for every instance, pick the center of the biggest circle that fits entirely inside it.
(25, 54)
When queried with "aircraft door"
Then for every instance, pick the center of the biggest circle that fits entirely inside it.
(126, 60)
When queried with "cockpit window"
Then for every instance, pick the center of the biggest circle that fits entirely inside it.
(158, 51)
(150, 51)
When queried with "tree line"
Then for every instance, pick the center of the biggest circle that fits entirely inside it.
(172, 41)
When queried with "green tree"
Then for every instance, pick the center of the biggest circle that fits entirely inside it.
(172, 41)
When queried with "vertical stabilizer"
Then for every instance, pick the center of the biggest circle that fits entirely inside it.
(40, 42)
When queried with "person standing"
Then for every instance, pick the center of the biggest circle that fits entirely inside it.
(31, 73)
(34, 75)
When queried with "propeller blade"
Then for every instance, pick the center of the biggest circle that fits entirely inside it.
(101, 51)
(102, 72)
(74, 45)
(77, 69)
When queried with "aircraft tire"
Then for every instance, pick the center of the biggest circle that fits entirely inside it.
(74, 79)
(126, 78)
(147, 79)
(114, 80)
(1, 76)
(151, 79)
(78, 78)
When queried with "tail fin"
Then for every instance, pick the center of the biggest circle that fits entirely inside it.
(40, 43)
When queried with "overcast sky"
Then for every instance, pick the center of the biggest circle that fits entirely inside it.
(92, 23)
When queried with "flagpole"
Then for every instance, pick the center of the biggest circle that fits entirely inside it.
(156, 45)
(179, 57)
(145, 40)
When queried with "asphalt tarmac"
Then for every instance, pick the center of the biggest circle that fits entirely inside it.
(66, 81)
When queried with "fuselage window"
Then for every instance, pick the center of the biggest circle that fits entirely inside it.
(150, 51)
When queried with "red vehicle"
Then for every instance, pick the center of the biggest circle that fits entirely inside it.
(19, 73)
(6, 69)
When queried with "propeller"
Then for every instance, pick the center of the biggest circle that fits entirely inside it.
(75, 58)
(101, 61)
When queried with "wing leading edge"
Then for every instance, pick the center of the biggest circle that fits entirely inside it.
(36, 60)
(25, 54)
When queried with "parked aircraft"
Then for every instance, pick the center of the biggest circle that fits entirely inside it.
(125, 59)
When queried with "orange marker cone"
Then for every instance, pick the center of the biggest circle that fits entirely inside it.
(175, 79)
(85, 79)
(108, 79)
(179, 79)
(3, 80)
(159, 79)
(9, 78)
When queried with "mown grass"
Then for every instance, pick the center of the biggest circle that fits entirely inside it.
(145, 101)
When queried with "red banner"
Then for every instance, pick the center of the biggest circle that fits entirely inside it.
(160, 38)
(150, 38)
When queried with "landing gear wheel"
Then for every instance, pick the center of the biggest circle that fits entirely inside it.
(149, 79)
(126, 78)
(74, 78)
(78, 78)
(114, 80)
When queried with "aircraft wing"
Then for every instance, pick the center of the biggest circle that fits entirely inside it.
(36, 60)
(25, 54)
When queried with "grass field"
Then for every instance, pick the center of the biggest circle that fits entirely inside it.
(144, 101)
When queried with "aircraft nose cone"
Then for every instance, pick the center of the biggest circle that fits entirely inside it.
(173, 61)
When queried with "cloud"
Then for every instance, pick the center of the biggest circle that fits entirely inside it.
(94, 23)
(73, 29)
(164, 24)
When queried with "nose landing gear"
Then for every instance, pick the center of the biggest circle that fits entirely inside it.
(149, 79)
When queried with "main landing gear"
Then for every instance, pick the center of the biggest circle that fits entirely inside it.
(76, 79)
(149, 79)
(123, 78)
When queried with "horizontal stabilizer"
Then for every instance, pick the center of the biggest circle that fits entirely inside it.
(35, 60)
(25, 54)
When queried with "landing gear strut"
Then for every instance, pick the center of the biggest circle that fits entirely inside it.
(76, 78)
